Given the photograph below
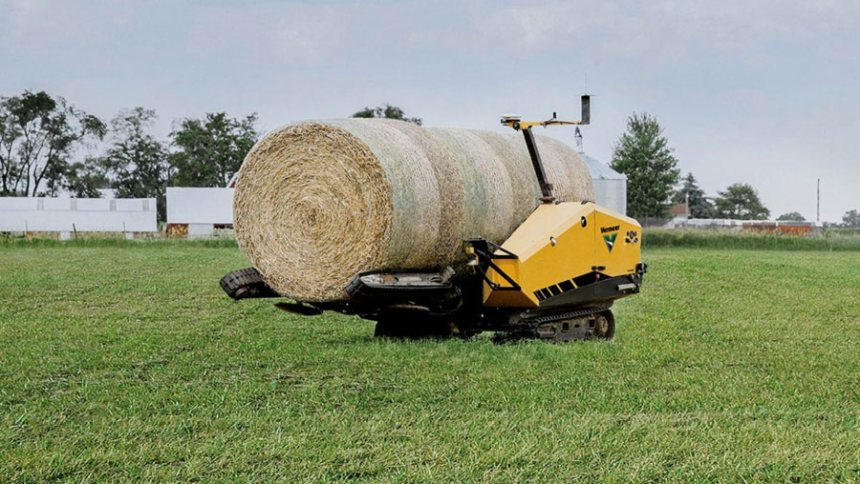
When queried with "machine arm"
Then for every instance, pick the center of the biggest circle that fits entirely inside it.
(526, 127)
(537, 163)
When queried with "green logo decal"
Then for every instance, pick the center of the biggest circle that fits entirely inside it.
(610, 240)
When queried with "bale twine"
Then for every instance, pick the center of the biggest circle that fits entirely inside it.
(318, 202)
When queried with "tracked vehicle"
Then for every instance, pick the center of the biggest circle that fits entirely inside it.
(555, 278)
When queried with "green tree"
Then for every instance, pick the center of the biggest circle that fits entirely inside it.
(740, 202)
(851, 219)
(791, 217)
(136, 163)
(643, 154)
(388, 112)
(84, 179)
(39, 134)
(211, 150)
(690, 193)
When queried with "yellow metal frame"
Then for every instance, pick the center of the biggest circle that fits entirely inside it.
(517, 124)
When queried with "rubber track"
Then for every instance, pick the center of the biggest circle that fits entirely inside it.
(549, 318)
(246, 283)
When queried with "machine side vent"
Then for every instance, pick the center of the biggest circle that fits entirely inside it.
(585, 279)
(554, 290)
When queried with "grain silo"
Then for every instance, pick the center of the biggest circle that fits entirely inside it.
(610, 187)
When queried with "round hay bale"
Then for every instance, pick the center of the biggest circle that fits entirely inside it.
(318, 202)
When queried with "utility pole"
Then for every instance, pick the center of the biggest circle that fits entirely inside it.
(818, 202)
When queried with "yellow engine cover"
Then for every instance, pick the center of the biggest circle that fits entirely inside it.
(559, 243)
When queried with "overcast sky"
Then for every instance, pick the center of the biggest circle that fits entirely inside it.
(765, 92)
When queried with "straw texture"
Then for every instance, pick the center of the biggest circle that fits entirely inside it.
(318, 202)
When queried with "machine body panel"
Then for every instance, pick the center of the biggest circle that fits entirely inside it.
(559, 248)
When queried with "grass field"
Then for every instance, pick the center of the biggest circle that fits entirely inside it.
(129, 363)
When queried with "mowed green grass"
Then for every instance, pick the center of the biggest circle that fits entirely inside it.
(124, 363)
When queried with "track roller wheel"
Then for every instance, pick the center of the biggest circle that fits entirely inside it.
(604, 325)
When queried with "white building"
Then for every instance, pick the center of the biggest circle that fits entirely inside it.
(199, 210)
(71, 215)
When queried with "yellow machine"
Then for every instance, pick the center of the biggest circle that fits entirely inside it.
(554, 278)
(560, 248)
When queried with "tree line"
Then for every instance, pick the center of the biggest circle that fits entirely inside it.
(42, 137)
(654, 181)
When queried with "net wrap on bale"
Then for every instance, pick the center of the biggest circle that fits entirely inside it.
(318, 202)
